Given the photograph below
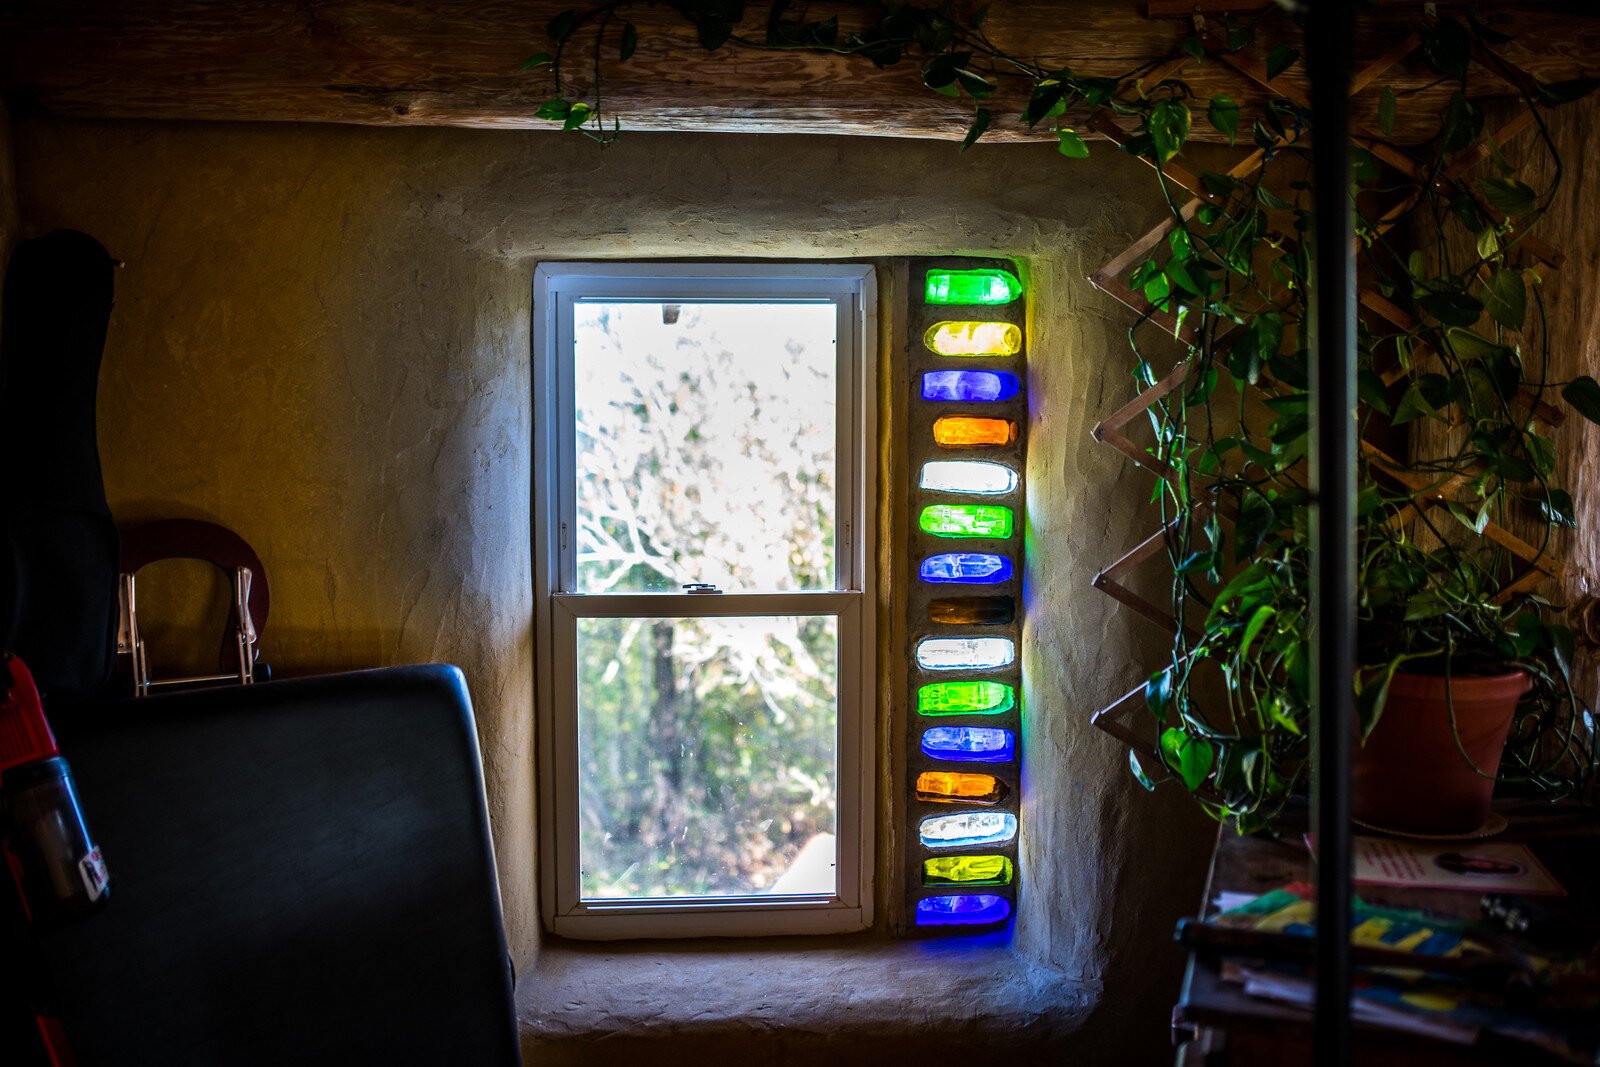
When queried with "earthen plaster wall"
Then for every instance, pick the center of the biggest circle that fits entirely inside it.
(321, 339)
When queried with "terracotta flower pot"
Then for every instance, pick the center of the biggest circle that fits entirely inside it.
(1410, 776)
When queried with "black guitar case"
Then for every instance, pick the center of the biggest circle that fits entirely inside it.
(58, 544)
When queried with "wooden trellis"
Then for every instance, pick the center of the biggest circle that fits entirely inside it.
(1120, 718)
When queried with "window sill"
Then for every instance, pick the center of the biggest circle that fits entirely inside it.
(865, 999)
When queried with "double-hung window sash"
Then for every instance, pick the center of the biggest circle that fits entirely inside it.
(703, 554)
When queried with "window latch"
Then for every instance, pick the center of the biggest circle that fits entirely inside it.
(700, 587)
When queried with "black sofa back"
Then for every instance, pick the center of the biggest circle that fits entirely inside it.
(301, 874)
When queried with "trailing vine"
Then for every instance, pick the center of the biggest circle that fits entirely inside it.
(1230, 283)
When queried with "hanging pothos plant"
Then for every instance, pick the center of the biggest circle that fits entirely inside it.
(1462, 351)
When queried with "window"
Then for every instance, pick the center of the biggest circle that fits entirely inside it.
(703, 566)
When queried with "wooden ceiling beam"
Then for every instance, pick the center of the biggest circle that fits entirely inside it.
(455, 62)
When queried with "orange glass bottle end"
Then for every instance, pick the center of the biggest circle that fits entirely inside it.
(967, 431)
(959, 785)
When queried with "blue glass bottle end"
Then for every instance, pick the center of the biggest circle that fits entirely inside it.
(969, 386)
(963, 909)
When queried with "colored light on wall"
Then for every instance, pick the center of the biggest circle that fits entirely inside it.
(967, 829)
(976, 476)
(984, 286)
(967, 431)
(966, 520)
(969, 744)
(964, 653)
(966, 870)
(969, 386)
(972, 611)
(973, 338)
(966, 698)
(963, 909)
(974, 568)
(960, 786)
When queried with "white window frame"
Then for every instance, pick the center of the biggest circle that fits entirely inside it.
(853, 289)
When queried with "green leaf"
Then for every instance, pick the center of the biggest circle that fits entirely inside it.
(1168, 126)
(1463, 122)
(1137, 145)
(1506, 299)
(1072, 145)
(1237, 36)
(1556, 508)
(1244, 356)
(1271, 199)
(1386, 111)
(1368, 500)
(1269, 333)
(1156, 289)
(577, 116)
(1372, 391)
(630, 41)
(1541, 453)
(1363, 168)
(1474, 522)
(1276, 710)
(538, 59)
(1471, 346)
(1223, 114)
(976, 85)
(554, 109)
(1046, 96)
(1425, 605)
(1488, 243)
(1192, 46)
(1179, 275)
(714, 32)
(560, 27)
(1182, 247)
(1452, 307)
(980, 122)
(1414, 404)
(1256, 518)
(1465, 208)
(1583, 393)
(1567, 91)
(1280, 59)
(1218, 184)
(940, 71)
(1138, 771)
(1252, 629)
(1508, 196)
(1190, 757)
(1158, 694)
(1247, 580)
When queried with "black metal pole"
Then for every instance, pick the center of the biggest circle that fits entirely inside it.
(1329, 33)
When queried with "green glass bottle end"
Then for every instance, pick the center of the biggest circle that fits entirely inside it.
(966, 520)
(967, 870)
(988, 287)
(966, 698)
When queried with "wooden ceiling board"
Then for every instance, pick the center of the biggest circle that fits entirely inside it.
(454, 62)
